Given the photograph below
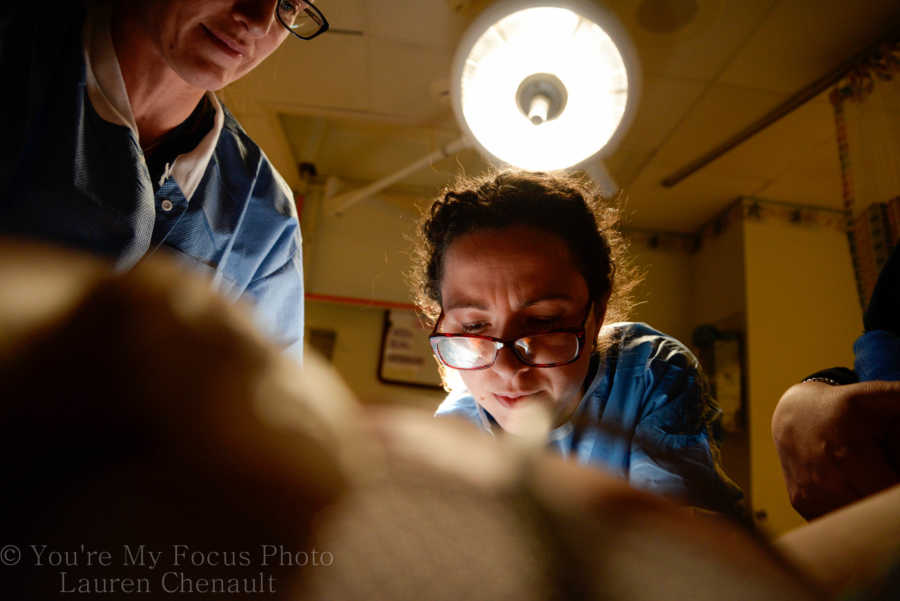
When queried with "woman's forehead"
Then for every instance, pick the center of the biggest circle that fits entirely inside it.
(515, 242)
(462, 300)
(522, 264)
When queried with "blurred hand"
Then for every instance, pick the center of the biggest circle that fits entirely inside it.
(837, 444)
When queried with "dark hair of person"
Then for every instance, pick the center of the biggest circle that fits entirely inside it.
(562, 205)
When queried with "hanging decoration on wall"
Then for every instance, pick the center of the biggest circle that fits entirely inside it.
(760, 209)
(870, 232)
(875, 232)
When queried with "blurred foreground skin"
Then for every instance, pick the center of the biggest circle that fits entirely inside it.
(462, 516)
(140, 409)
(850, 549)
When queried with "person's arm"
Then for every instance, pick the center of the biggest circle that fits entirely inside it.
(271, 230)
(834, 442)
(278, 298)
(674, 449)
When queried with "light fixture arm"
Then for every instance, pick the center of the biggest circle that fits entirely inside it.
(605, 184)
(340, 203)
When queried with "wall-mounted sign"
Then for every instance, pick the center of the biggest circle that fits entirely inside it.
(406, 356)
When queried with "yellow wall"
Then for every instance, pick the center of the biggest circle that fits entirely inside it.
(682, 290)
(362, 254)
(357, 343)
(791, 289)
(663, 297)
(718, 290)
(802, 315)
(718, 298)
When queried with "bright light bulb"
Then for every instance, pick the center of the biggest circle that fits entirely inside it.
(555, 41)
(539, 109)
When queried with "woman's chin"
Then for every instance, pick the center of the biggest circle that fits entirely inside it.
(529, 418)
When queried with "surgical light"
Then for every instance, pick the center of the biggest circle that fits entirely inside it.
(540, 85)
(545, 85)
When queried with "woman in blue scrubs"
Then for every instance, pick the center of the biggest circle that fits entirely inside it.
(523, 278)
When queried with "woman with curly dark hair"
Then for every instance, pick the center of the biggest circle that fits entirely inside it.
(524, 279)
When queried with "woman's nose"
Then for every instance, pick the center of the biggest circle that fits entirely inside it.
(258, 16)
(508, 363)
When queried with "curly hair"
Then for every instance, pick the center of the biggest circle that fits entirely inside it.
(559, 204)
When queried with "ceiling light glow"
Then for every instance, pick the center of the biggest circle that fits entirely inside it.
(588, 79)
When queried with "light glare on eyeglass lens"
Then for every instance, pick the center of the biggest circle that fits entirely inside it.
(475, 351)
(553, 348)
(301, 18)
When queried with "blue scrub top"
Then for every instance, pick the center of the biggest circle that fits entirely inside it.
(647, 416)
(72, 178)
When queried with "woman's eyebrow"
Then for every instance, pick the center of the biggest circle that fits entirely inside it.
(468, 303)
(549, 298)
(465, 303)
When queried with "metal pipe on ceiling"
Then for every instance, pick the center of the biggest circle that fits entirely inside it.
(788, 106)
(339, 204)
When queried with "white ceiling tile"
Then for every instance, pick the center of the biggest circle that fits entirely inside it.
(780, 146)
(364, 152)
(424, 23)
(700, 49)
(722, 112)
(626, 165)
(344, 15)
(329, 71)
(664, 102)
(402, 77)
(801, 40)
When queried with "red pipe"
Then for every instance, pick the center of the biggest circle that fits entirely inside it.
(362, 302)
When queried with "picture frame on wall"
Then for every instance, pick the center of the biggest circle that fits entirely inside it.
(405, 358)
(721, 353)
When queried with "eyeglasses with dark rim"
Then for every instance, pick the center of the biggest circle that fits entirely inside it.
(476, 351)
(303, 19)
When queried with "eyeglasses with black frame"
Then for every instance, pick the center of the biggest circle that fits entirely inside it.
(476, 351)
(303, 19)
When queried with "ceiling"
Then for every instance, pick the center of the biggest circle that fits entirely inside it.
(370, 97)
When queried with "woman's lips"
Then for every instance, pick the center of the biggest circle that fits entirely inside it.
(509, 401)
(229, 46)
